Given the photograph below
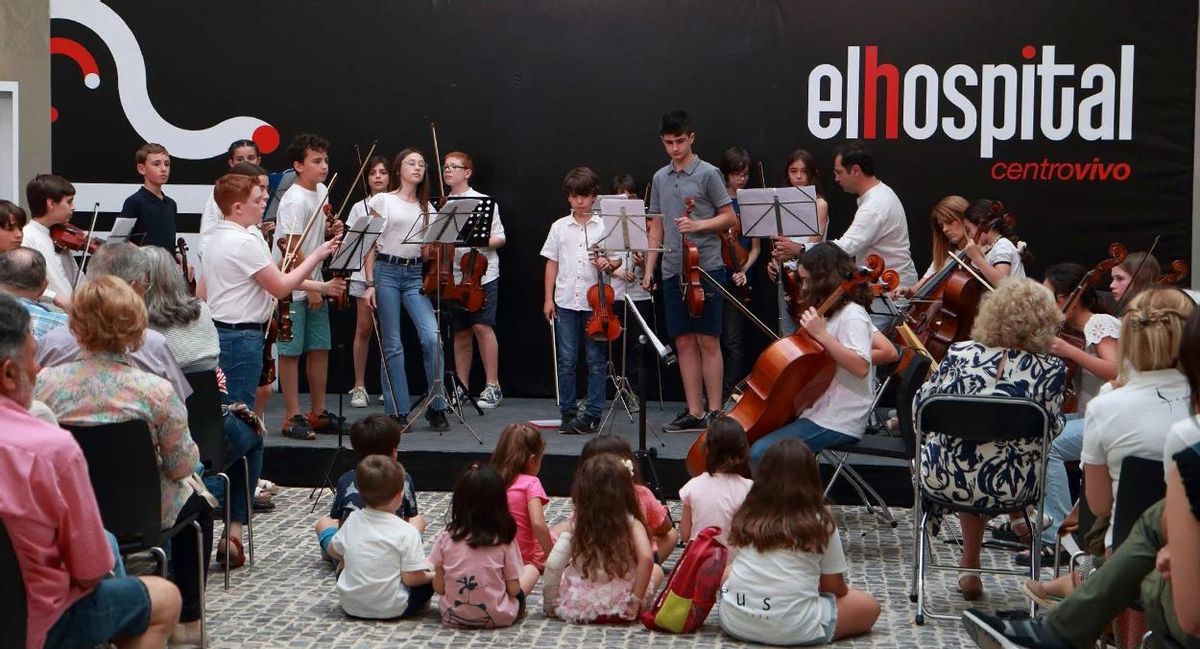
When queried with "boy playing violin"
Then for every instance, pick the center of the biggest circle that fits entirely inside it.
(697, 338)
(51, 202)
(571, 269)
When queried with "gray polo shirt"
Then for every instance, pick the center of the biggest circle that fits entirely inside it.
(702, 182)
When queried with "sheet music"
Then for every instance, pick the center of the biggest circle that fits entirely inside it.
(787, 211)
(624, 224)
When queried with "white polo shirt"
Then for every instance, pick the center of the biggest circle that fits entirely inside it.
(568, 244)
(296, 206)
(235, 254)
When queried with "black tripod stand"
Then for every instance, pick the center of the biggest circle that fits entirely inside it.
(328, 483)
(646, 456)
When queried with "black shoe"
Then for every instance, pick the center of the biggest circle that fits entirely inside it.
(566, 425)
(1047, 559)
(402, 420)
(260, 505)
(1001, 630)
(437, 420)
(585, 425)
(685, 423)
(325, 422)
(711, 416)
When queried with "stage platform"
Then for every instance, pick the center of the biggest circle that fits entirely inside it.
(435, 459)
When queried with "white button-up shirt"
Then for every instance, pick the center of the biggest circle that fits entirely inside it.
(61, 267)
(880, 227)
(568, 244)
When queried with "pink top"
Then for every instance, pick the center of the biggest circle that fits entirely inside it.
(653, 511)
(523, 489)
(713, 499)
(476, 595)
(51, 515)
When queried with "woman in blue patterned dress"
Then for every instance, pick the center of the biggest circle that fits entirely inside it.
(1007, 355)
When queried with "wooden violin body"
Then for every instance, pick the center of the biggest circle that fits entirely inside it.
(469, 291)
(1179, 271)
(439, 276)
(181, 248)
(284, 308)
(70, 237)
(734, 256)
(689, 276)
(603, 325)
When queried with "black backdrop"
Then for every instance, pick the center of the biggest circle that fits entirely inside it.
(533, 88)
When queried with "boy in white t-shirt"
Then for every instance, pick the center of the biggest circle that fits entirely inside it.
(384, 571)
(477, 325)
(310, 315)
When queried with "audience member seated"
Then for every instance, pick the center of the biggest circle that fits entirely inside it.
(1156, 567)
(192, 338)
(51, 517)
(1132, 421)
(12, 223)
(23, 276)
(371, 435)
(102, 386)
(1008, 356)
(129, 263)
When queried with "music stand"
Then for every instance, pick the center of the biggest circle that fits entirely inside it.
(779, 211)
(464, 221)
(360, 238)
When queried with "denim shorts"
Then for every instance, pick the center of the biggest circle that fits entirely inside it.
(119, 606)
(711, 319)
(310, 329)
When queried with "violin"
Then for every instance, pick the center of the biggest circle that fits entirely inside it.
(74, 238)
(603, 325)
(1116, 256)
(439, 274)
(267, 376)
(1179, 271)
(734, 256)
(469, 291)
(181, 248)
(787, 377)
(283, 308)
(689, 278)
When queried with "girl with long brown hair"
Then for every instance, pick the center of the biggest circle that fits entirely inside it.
(518, 459)
(787, 582)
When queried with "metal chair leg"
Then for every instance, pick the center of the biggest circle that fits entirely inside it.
(249, 541)
(228, 500)
(160, 556)
(922, 539)
(203, 581)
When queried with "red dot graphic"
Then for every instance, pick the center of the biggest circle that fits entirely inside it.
(53, 114)
(1029, 51)
(266, 137)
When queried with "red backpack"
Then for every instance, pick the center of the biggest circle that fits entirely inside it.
(692, 589)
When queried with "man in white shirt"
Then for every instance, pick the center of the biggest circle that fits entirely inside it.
(51, 202)
(879, 225)
(477, 325)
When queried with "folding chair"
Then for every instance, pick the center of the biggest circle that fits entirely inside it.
(1142, 485)
(123, 468)
(207, 426)
(984, 418)
(12, 595)
(881, 443)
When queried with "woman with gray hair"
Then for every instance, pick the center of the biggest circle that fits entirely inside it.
(188, 327)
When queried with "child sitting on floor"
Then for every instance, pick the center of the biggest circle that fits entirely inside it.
(384, 571)
(518, 459)
(478, 574)
(372, 435)
(787, 583)
(601, 567)
(711, 498)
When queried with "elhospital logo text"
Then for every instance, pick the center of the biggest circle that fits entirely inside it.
(992, 103)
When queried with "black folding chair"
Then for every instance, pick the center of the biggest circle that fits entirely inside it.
(880, 442)
(207, 426)
(12, 595)
(123, 468)
(984, 418)
(1142, 485)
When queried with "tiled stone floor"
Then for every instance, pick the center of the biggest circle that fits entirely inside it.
(288, 598)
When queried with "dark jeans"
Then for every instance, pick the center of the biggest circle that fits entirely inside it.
(183, 556)
(733, 341)
(1127, 577)
(569, 328)
(241, 440)
(241, 361)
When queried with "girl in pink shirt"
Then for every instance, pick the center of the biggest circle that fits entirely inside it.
(518, 459)
(478, 573)
(659, 525)
(711, 498)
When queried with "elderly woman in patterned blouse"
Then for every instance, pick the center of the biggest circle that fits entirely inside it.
(108, 319)
(1008, 355)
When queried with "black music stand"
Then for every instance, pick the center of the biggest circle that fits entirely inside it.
(361, 236)
(779, 211)
(465, 222)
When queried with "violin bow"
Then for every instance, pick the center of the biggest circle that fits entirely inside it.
(362, 166)
(293, 249)
(87, 244)
(1125, 298)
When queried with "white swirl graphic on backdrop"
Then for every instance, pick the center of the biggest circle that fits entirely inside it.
(135, 98)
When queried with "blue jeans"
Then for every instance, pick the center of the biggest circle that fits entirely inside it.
(119, 606)
(569, 326)
(241, 361)
(397, 289)
(817, 438)
(1065, 448)
(241, 440)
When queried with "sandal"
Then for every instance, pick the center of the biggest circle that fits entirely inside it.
(297, 428)
(237, 558)
(1036, 591)
(972, 588)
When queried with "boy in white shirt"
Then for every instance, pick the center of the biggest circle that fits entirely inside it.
(51, 202)
(310, 315)
(571, 269)
(384, 571)
(477, 325)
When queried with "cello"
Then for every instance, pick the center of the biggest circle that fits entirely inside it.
(1116, 256)
(689, 277)
(1179, 270)
(788, 376)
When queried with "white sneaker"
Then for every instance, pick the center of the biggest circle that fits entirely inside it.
(358, 397)
(490, 397)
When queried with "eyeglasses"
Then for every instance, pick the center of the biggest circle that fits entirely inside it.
(451, 167)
